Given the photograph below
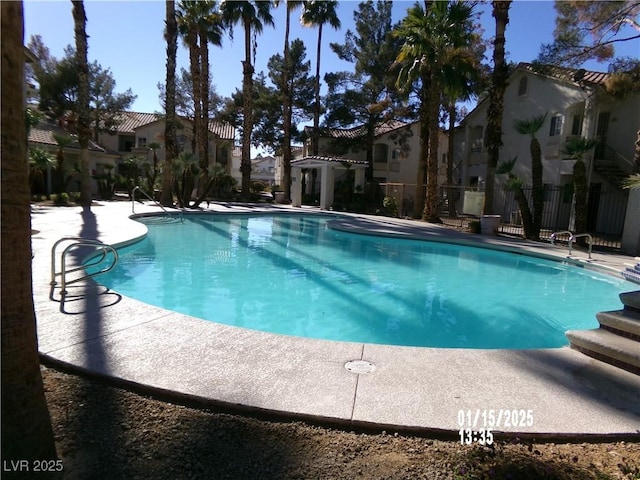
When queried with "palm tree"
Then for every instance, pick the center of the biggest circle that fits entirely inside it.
(199, 24)
(496, 100)
(63, 141)
(252, 15)
(287, 101)
(39, 162)
(84, 118)
(461, 81)
(26, 425)
(575, 149)
(171, 150)
(434, 41)
(151, 171)
(318, 13)
(531, 127)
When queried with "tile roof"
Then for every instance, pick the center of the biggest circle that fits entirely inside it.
(360, 130)
(572, 75)
(44, 132)
(315, 159)
(130, 121)
(224, 131)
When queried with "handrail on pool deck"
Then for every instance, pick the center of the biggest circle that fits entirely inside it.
(77, 242)
(133, 202)
(572, 238)
(578, 235)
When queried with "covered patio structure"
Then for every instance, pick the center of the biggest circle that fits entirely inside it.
(327, 167)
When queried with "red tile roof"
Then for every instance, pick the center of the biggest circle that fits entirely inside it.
(573, 75)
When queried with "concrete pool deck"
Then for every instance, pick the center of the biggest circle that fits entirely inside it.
(566, 394)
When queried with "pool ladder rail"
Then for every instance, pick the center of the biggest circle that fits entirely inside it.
(137, 188)
(572, 238)
(97, 257)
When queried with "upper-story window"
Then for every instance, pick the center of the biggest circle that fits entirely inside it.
(125, 143)
(477, 141)
(556, 125)
(522, 86)
(380, 153)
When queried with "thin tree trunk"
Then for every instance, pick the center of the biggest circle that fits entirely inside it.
(496, 98)
(170, 151)
(419, 200)
(286, 96)
(204, 112)
(247, 120)
(537, 187)
(431, 213)
(452, 191)
(26, 425)
(316, 107)
(84, 120)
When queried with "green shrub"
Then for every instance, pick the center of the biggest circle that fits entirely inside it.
(258, 186)
(390, 206)
(61, 199)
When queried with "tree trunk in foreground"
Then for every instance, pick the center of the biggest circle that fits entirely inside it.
(26, 426)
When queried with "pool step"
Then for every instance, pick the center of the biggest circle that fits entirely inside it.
(632, 272)
(617, 341)
(607, 347)
(631, 300)
(625, 323)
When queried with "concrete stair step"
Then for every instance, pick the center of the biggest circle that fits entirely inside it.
(625, 322)
(607, 347)
(631, 300)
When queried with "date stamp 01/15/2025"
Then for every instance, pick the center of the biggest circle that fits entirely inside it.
(477, 426)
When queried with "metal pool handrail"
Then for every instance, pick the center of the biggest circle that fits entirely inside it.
(133, 202)
(588, 235)
(103, 250)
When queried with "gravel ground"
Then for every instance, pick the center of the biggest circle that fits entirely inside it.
(104, 432)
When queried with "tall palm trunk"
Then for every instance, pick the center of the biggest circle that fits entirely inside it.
(431, 213)
(204, 112)
(171, 36)
(247, 114)
(194, 66)
(496, 101)
(26, 426)
(452, 191)
(423, 161)
(537, 186)
(316, 106)
(286, 97)
(204, 90)
(84, 120)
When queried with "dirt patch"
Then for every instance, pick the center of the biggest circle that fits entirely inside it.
(105, 432)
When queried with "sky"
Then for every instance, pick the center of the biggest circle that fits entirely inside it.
(127, 37)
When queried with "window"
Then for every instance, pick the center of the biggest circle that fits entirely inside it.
(142, 142)
(576, 125)
(522, 86)
(556, 126)
(380, 153)
(126, 142)
(476, 139)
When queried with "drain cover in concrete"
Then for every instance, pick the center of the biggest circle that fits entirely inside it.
(359, 366)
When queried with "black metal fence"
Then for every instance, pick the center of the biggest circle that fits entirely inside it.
(606, 211)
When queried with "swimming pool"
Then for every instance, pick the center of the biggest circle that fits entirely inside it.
(292, 274)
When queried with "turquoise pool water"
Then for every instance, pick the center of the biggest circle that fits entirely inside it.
(293, 275)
